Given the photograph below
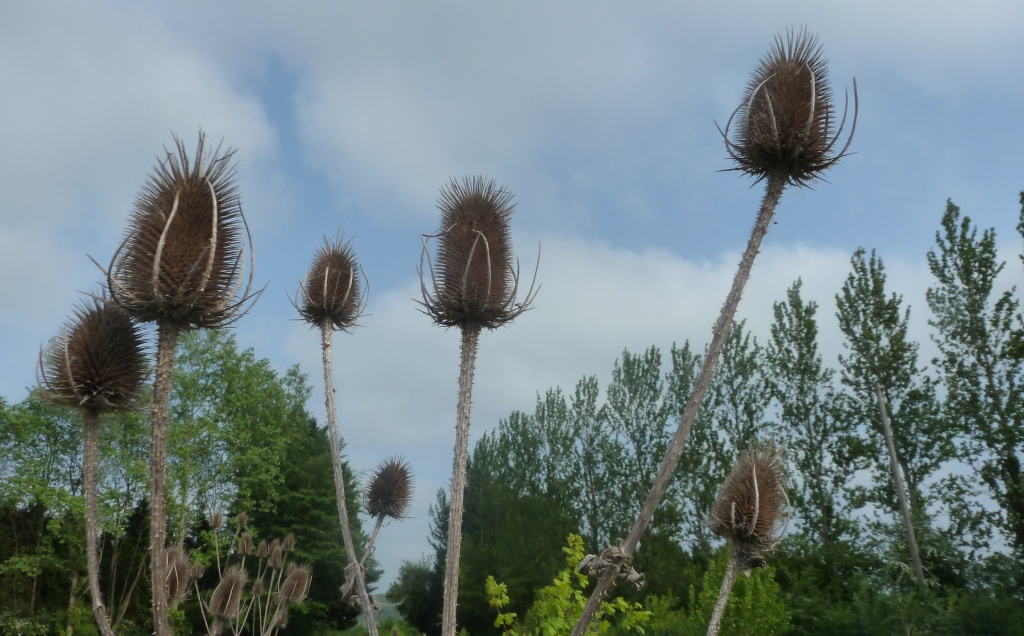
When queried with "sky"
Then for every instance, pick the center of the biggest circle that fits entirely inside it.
(600, 116)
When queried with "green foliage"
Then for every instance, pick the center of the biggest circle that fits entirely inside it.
(756, 605)
(557, 606)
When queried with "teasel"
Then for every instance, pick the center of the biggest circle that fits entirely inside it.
(226, 601)
(179, 574)
(332, 297)
(387, 496)
(783, 133)
(96, 365)
(751, 513)
(295, 586)
(474, 285)
(185, 263)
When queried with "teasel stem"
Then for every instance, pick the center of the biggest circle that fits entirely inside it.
(732, 568)
(373, 537)
(326, 334)
(470, 338)
(776, 183)
(167, 344)
(901, 494)
(91, 431)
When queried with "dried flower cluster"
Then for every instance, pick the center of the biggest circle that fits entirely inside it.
(97, 363)
(331, 293)
(182, 260)
(474, 280)
(390, 490)
(786, 123)
(751, 511)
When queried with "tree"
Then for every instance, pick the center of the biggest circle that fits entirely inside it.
(822, 445)
(981, 343)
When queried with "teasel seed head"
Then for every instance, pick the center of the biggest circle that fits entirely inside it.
(752, 509)
(296, 585)
(276, 559)
(216, 519)
(97, 363)
(332, 294)
(390, 490)
(183, 258)
(289, 542)
(245, 545)
(197, 571)
(242, 518)
(280, 619)
(473, 281)
(227, 597)
(785, 125)
(263, 550)
(257, 587)
(179, 573)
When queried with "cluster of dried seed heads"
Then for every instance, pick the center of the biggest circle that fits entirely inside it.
(332, 294)
(474, 281)
(752, 508)
(390, 491)
(786, 124)
(97, 363)
(183, 258)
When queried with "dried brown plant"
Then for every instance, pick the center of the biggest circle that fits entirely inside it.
(474, 285)
(751, 513)
(182, 264)
(390, 490)
(786, 123)
(96, 365)
(226, 601)
(785, 136)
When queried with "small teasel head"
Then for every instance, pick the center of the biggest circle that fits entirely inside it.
(226, 601)
(186, 258)
(752, 509)
(332, 293)
(245, 544)
(296, 585)
(97, 363)
(276, 558)
(390, 491)
(216, 519)
(474, 280)
(786, 124)
(288, 544)
(262, 550)
(242, 518)
(179, 573)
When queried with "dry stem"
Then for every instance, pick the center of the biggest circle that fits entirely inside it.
(167, 343)
(731, 570)
(773, 192)
(92, 531)
(470, 338)
(339, 480)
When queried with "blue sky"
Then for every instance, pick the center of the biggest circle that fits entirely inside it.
(600, 117)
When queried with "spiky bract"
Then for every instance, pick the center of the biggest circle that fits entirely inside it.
(331, 294)
(786, 123)
(97, 363)
(390, 490)
(474, 279)
(752, 506)
(182, 260)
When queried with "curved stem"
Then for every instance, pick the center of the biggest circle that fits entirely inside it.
(470, 338)
(167, 343)
(339, 481)
(92, 531)
(773, 192)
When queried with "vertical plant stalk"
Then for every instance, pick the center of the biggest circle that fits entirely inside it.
(773, 192)
(167, 344)
(470, 339)
(91, 431)
(732, 568)
(901, 494)
(326, 334)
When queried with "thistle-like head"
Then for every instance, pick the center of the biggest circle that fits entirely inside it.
(785, 126)
(474, 281)
(183, 258)
(390, 490)
(332, 294)
(97, 363)
(751, 511)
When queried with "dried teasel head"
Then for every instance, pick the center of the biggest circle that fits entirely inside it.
(785, 126)
(227, 597)
(288, 544)
(332, 294)
(262, 550)
(179, 573)
(97, 363)
(245, 544)
(183, 258)
(473, 281)
(276, 558)
(241, 519)
(390, 490)
(296, 585)
(216, 519)
(752, 509)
